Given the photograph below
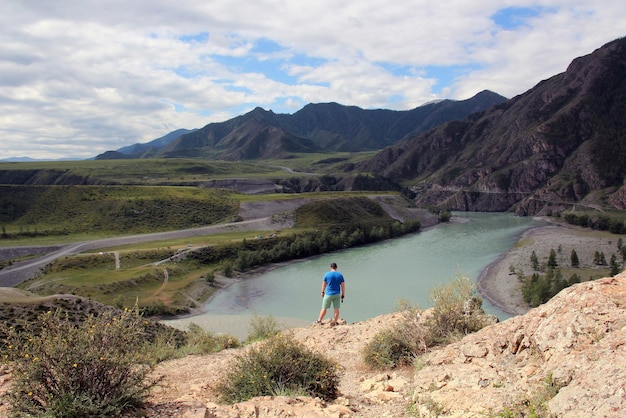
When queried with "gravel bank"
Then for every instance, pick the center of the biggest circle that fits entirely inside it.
(502, 288)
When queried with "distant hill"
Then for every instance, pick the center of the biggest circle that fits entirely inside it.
(29, 160)
(262, 134)
(132, 151)
(563, 142)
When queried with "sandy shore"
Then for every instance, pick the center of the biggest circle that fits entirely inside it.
(501, 286)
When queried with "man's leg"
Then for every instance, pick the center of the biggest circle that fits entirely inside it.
(336, 315)
(322, 315)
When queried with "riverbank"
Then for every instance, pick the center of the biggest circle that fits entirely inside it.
(499, 282)
(417, 275)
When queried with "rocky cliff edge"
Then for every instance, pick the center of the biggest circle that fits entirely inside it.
(566, 358)
(575, 343)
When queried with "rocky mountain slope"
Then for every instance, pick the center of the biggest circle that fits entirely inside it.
(564, 358)
(560, 143)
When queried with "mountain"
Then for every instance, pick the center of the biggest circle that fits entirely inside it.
(30, 160)
(561, 143)
(262, 134)
(131, 151)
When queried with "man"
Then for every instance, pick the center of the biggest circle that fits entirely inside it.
(332, 287)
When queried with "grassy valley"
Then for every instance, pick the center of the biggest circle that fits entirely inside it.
(176, 275)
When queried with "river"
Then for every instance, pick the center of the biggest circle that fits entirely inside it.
(378, 276)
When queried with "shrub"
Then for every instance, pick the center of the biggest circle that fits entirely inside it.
(456, 312)
(399, 344)
(68, 369)
(388, 349)
(262, 328)
(201, 341)
(278, 366)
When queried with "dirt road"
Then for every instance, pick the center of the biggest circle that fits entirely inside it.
(257, 216)
(22, 271)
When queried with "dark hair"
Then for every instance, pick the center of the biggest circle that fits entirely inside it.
(333, 265)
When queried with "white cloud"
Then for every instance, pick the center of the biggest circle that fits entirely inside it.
(79, 77)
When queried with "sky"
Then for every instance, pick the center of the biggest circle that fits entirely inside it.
(80, 77)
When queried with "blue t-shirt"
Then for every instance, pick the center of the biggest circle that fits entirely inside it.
(333, 281)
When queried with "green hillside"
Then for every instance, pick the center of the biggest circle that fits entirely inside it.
(60, 210)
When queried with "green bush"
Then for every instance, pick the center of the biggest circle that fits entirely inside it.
(262, 328)
(456, 312)
(279, 366)
(96, 367)
(399, 344)
(200, 341)
(388, 349)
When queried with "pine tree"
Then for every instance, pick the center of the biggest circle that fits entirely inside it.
(599, 259)
(574, 259)
(534, 261)
(614, 266)
(552, 259)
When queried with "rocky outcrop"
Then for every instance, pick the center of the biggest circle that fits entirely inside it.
(574, 344)
(566, 358)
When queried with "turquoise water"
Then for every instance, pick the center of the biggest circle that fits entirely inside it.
(379, 275)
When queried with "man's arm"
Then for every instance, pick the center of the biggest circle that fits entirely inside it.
(343, 289)
(323, 287)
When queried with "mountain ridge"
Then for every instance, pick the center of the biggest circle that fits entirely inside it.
(321, 127)
(561, 142)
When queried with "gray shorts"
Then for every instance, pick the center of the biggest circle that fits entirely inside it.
(335, 300)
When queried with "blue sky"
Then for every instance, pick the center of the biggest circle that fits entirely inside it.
(80, 77)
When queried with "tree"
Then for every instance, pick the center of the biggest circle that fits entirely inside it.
(552, 259)
(534, 261)
(210, 278)
(558, 283)
(614, 266)
(599, 259)
(574, 278)
(574, 259)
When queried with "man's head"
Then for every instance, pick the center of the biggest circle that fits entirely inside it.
(333, 266)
